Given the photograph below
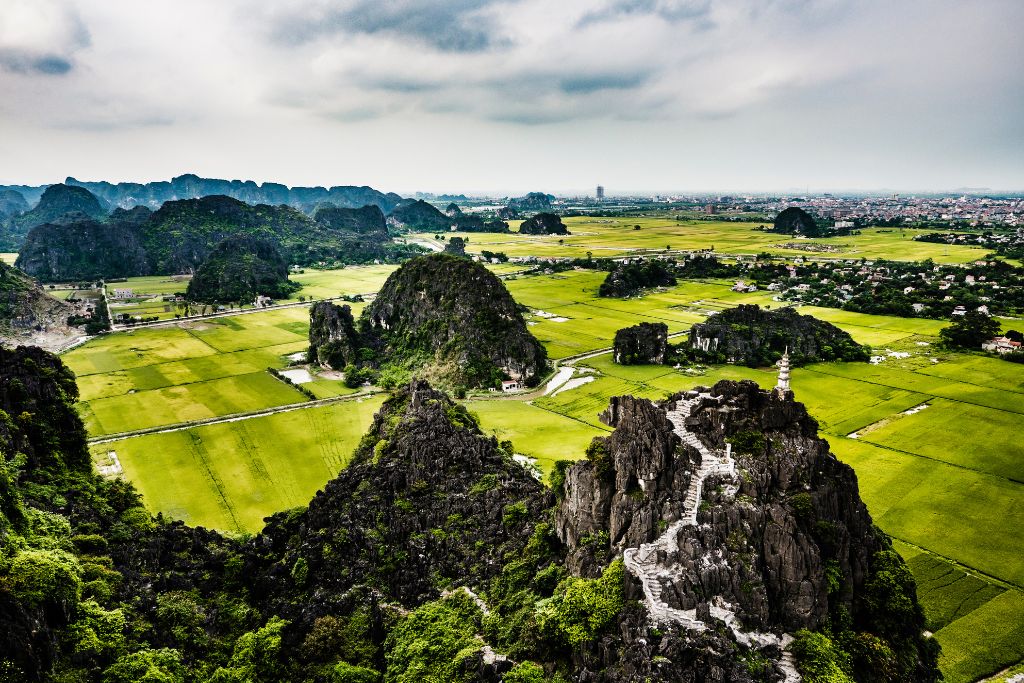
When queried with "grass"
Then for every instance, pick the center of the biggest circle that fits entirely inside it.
(231, 475)
(536, 432)
(997, 627)
(187, 402)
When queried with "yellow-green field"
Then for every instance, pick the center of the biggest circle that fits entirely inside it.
(8, 257)
(608, 237)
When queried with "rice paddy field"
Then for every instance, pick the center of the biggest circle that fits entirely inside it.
(934, 437)
(609, 237)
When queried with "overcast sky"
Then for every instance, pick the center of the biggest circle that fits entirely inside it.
(510, 96)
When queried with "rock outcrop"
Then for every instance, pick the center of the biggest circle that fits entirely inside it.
(543, 224)
(630, 279)
(751, 335)
(455, 322)
(738, 529)
(796, 221)
(643, 344)
(239, 269)
(28, 315)
(83, 250)
(333, 340)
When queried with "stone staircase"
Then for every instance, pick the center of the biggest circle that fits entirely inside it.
(644, 562)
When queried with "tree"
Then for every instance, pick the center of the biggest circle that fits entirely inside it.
(969, 331)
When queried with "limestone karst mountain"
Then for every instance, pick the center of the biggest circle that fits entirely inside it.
(645, 343)
(239, 269)
(452, 320)
(83, 250)
(58, 204)
(744, 539)
(795, 221)
(543, 224)
(755, 336)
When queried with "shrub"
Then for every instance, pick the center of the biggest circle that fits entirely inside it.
(581, 608)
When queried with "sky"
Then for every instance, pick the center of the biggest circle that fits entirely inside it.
(509, 96)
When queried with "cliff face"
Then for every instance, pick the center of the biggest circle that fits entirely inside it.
(738, 528)
(543, 224)
(82, 250)
(754, 336)
(28, 314)
(646, 343)
(239, 269)
(455, 321)
(333, 339)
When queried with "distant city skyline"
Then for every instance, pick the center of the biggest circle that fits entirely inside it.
(503, 97)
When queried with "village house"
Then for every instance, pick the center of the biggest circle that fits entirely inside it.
(1001, 345)
(510, 385)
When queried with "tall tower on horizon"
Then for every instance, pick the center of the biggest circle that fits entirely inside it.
(600, 193)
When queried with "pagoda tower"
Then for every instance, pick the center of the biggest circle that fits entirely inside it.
(783, 384)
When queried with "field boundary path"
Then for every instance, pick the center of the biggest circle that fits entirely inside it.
(233, 417)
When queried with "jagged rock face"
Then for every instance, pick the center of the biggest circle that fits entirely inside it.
(634, 478)
(333, 339)
(239, 269)
(543, 224)
(458, 319)
(643, 344)
(55, 203)
(629, 279)
(754, 336)
(796, 221)
(27, 310)
(419, 215)
(84, 250)
(425, 485)
(507, 213)
(368, 219)
(784, 543)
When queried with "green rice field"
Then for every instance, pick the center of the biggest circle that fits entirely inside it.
(609, 237)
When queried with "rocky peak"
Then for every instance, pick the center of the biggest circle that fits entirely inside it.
(424, 486)
(333, 339)
(736, 524)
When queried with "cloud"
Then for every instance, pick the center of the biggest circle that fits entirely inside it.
(40, 36)
(448, 25)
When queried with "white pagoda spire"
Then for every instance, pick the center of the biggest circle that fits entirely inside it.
(783, 384)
